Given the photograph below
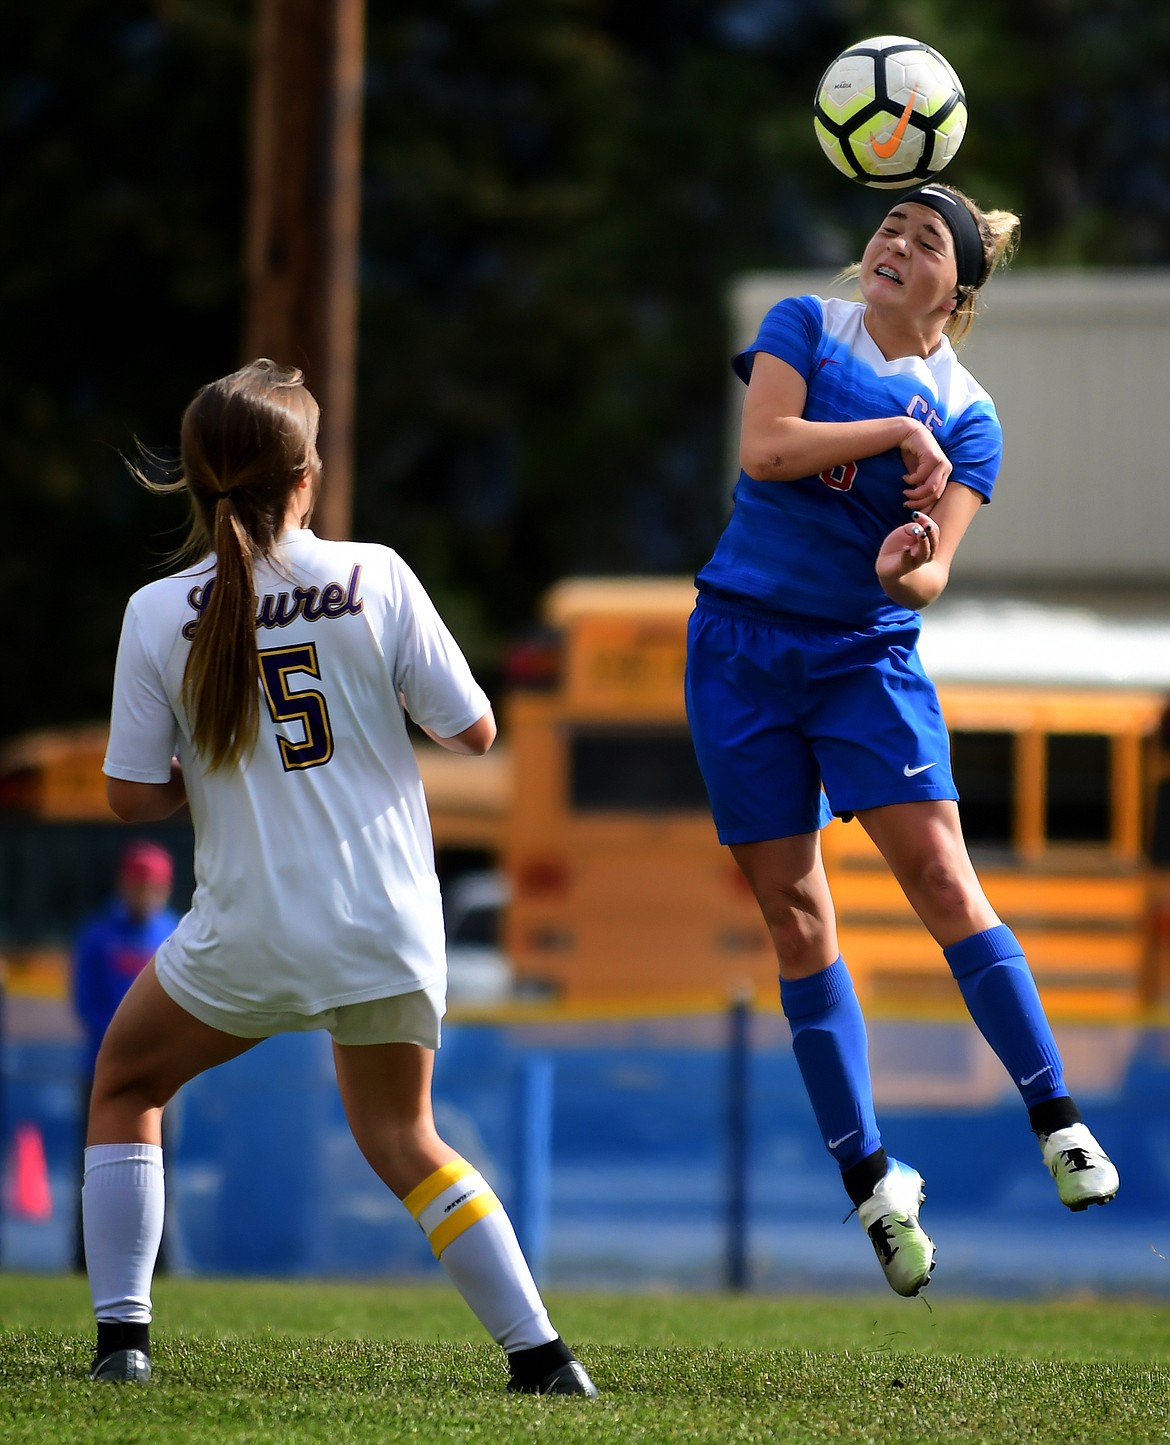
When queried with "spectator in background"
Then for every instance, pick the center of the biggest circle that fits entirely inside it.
(116, 944)
(112, 949)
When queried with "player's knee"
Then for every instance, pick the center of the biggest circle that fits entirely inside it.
(393, 1145)
(946, 888)
(121, 1081)
(124, 1095)
(800, 939)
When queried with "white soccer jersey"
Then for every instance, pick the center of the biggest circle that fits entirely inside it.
(314, 863)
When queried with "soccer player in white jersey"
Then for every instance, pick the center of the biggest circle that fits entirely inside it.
(806, 697)
(267, 686)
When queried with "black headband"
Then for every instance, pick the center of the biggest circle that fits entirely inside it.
(970, 261)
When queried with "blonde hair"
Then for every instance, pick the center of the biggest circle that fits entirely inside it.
(246, 441)
(999, 232)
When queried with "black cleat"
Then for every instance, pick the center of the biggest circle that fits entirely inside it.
(567, 1379)
(122, 1367)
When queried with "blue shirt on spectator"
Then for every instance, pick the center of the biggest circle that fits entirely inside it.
(111, 951)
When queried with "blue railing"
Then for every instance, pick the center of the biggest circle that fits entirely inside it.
(673, 1151)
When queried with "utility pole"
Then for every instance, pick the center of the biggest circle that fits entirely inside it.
(303, 217)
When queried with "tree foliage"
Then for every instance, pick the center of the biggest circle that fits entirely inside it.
(556, 195)
(120, 232)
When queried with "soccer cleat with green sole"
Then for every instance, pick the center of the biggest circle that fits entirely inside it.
(1084, 1173)
(890, 1217)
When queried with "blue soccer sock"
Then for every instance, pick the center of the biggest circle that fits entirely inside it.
(1000, 994)
(832, 1053)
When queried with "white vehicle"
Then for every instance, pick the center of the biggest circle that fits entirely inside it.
(477, 970)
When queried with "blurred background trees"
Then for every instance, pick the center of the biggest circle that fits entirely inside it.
(555, 196)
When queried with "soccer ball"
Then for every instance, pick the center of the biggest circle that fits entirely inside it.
(890, 111)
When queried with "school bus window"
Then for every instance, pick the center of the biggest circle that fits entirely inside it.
(984, 766)
(1160, 826)
(631, 769)
(1079, 806)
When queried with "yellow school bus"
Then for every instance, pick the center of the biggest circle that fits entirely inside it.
(593, 806)
(620, 891)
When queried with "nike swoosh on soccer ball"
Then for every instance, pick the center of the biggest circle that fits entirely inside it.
(910, 772)
(884, 149)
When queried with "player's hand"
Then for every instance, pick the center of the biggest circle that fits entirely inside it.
(908, 547)
(927, 467)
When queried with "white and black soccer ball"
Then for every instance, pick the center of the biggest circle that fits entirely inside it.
(890, 112)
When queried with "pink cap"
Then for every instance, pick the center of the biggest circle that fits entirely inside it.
(146, 863)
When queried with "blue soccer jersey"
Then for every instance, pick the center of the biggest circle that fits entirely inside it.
(809, 546)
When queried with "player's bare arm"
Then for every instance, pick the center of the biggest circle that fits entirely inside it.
(474, 740)
(778, 445)
(147, 802)
(914, 563)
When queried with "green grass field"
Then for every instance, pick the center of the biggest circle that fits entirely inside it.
(251, 1361)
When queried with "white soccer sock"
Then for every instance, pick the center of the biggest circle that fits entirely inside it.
(474, 1241)
(122, 1216)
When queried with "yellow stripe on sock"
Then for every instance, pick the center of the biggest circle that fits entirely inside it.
(434, 1184)
(463, 1218)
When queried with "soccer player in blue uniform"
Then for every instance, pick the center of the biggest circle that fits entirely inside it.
(866, 451)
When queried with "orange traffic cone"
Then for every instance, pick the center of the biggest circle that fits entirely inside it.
(29, 1195)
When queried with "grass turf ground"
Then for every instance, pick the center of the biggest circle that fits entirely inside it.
(257, 1361)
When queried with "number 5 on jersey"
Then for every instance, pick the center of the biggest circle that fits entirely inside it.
(305, 706)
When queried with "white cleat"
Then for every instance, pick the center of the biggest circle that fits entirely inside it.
(1084, 1173)
(890, 1217)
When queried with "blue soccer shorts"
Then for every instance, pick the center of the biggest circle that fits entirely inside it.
(782, 707)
